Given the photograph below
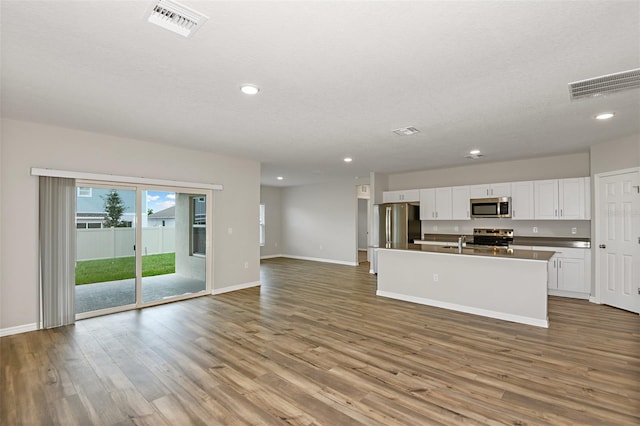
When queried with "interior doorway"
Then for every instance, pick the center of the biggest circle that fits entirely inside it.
(618, 239)
(364, 217)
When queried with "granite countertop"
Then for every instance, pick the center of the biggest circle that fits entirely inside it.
(502, 252)
(575, 242)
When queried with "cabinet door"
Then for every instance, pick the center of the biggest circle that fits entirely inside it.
(460, 203)
(500, 189)
(391, 197)
(522, 200)
(443, 203)
(552, 273)
(571, 276)
(411, 195)
(546, 199)
(428, 204)
(571, 198)
(479, 191)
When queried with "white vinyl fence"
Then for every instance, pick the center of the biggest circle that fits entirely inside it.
(119, 242)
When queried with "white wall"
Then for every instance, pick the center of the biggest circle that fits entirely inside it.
(363, 222)
(319, 222)
(616, 155)
(556, 167)
(271, 197)
(26, 145)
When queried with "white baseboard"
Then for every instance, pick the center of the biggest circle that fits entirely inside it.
(571, 294)
(467, 309)
(271, 256)
(592, 299)
(235, 287)
(318, 259)
(18, 329)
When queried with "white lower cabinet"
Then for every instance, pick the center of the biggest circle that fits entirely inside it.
(569, 272)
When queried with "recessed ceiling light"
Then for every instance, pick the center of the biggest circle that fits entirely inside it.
(605, 116)
(348, 160)
(474, 152)
(280, 178)
(248, 89)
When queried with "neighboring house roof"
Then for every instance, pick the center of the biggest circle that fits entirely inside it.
(169, 213)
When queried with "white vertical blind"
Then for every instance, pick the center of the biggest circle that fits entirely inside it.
(57, 250)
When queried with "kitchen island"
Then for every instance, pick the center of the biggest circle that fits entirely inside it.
(500, 283)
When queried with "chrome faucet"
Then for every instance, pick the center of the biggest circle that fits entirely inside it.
(461, 240)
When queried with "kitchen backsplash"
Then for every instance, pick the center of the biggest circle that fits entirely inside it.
(545, 228)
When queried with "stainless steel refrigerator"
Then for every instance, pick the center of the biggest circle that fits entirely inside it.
(399, 224)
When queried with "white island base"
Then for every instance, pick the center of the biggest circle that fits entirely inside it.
(509, 289)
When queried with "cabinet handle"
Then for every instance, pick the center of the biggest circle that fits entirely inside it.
(436, 215)
(554, 264)
(561, 212)
(559, 263)
(555, 212)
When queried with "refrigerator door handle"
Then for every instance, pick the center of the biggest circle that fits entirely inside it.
(388, 225)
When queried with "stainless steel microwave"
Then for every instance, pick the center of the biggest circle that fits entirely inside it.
(490, 207)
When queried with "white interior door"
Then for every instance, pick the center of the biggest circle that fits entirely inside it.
(618, 252)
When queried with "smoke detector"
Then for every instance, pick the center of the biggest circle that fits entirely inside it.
(605, 84)
(406, 131)
(176, 17)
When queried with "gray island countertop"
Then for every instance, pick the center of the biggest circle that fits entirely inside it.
(502, 252)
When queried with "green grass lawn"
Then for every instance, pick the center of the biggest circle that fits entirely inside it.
(122, 268)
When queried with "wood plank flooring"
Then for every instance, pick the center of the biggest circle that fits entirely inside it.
(314, 345)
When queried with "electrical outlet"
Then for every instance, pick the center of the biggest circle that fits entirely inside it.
(535, 229)
(435, 278)
(574, 230)
(456, 228)
(229, 231)
(246, 265)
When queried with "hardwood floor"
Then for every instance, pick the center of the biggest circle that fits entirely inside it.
(314, 345)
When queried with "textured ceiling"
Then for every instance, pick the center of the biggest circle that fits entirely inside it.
(335, 79)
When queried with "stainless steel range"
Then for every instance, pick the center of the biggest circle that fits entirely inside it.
(494, 237)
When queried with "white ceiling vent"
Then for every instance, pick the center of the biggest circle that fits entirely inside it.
(473, 156)
(605, 84)
(176, 17)
(406, 131)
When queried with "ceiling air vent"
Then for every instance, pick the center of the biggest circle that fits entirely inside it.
(176, 17)
(473, 156)
(406, 131)
(605, 84)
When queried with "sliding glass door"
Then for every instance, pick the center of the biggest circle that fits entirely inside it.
(139, 246)
(106, 241)
(174, 245)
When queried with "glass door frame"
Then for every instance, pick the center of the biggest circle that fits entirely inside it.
(209, 246)
(140, 188)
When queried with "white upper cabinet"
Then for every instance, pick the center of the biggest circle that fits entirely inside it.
(522, 201)
(405, 196)
(562, 199)
(546, 199)
(490, 190)
(460, 203)
(435, 204)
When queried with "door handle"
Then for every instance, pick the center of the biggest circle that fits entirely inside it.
(602, 246)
